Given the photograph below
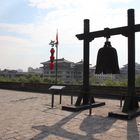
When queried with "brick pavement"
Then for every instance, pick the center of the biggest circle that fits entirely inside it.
(28, 116)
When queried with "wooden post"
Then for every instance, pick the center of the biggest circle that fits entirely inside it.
(86, 62)
(52, 104)
(86, 43)
(131, 102)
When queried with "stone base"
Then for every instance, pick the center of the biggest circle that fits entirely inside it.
(125, 116)
(73, 108)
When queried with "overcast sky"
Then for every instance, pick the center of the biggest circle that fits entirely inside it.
(27, 26)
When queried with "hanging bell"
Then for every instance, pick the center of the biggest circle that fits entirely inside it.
(107, 60)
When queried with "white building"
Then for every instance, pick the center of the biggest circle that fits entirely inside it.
(67, 71)
(36, 70)
(101, 76)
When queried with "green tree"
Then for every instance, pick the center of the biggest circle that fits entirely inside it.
(115, 83)
(137, 81)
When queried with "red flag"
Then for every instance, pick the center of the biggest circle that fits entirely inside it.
(57, 38)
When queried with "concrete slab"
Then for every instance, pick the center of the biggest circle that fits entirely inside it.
(28, 116)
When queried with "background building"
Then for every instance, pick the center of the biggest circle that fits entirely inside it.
(35, 71)
(70, 72)
(124, 70)
(101, 76)
(67, 71)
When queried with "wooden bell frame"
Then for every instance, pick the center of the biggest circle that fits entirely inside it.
(130, 103)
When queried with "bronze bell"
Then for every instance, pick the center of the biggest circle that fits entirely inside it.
(107, 60)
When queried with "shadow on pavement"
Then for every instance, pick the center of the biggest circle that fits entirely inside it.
(91, 125)
(96, 124)
(132, 130)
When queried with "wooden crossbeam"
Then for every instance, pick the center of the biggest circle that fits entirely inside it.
(103, 33)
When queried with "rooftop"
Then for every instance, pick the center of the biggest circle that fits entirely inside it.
(62, 60)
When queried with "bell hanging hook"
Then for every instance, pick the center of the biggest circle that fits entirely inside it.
(107, 34)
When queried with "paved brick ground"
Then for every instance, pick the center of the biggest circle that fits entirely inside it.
(28, 116)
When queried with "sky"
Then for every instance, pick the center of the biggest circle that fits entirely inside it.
(28, 26)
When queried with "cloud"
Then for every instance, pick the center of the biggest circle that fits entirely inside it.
(31, 40)
(15, 40)
(53, 4)
(69, 4)
(19, 53)
(66, 16)
(25, 29)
